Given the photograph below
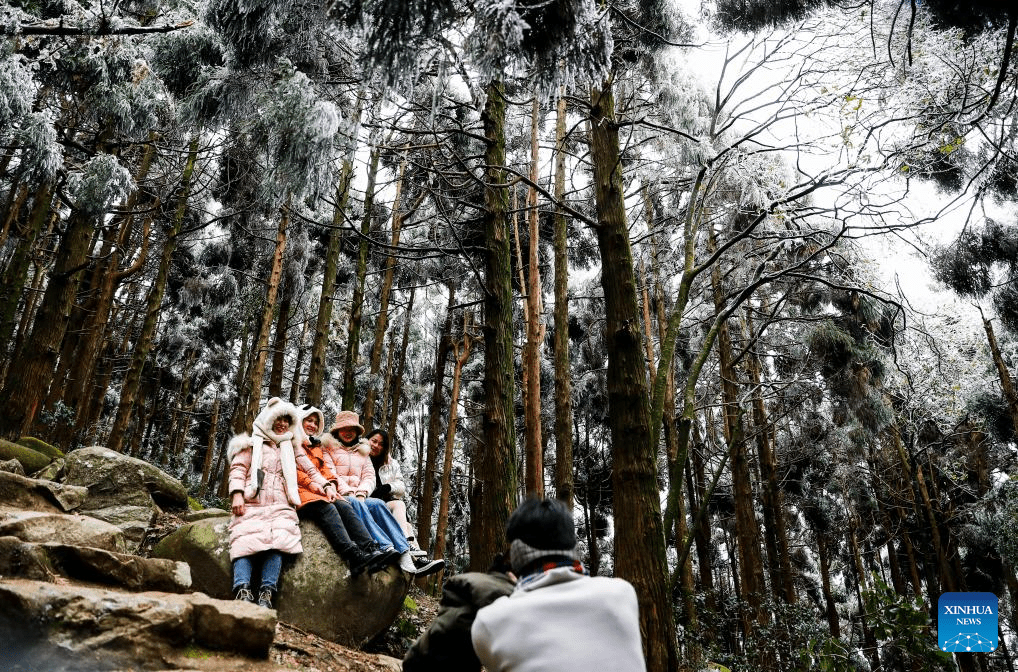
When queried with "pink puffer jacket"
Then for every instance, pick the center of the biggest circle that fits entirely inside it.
(352, 466)
(269, 520)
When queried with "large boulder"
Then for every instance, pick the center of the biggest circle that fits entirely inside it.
(60, 628)
(123, 490)
(114, 479)
(316, 591)
(21, 492)
(42, 526)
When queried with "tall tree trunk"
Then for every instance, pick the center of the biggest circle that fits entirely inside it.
(353, 342)
(107, 279)
(32, 370)
(776, 533)
(259, 352)
(298, 364)
(397, 380)
(132, 381)
(460, 352)
(279, 343)
(1006, 384)
(639, 531)
(534, 480)
(27, 316)
(12, 283)
(323, 325)
(426, 506)
(925, 510)
(747, 530)
(701, 526)
(382, 322)
(823, 551)
(494, 490)
(207, 474)
(563, 376)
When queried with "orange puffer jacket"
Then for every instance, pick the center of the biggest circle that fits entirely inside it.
(315, 470)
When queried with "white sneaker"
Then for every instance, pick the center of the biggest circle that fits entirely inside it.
(406, 563)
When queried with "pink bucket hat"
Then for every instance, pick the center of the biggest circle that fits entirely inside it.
(347, 419)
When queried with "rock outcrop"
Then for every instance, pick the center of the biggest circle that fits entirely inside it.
(60, 628)
(123, 490)
(42, 526)
(316, 591)
(32, 494)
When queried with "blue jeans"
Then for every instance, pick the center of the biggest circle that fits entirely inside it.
(381, 525)
(271, 566)
(340, 525)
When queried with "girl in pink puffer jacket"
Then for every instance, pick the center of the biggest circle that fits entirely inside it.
(264, 500)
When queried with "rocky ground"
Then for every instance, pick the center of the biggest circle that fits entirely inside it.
(295, 650)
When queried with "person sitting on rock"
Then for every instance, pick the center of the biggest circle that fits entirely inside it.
(355, 479)
(264, 496)
(389, 484)
(321, 503)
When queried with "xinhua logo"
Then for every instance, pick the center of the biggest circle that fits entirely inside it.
(967, 622)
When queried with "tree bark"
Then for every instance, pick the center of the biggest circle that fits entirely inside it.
(32, 369)
(15, 275)
(776, 534)
(132, 381)
(747, 530)
(317, 365)
(260, 350)
(639, 530)
(460, 352)
(397, 380)
(1006, 384)
(382, 322)
(563, 377)
(426, 506)
(279, 340)
(210, 449)
(494, 490)
(357, 301)
(534, 480)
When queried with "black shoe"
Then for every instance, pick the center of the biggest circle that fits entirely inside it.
(381, 559)
(265, 597)
(243, 593)
(426, 567)
(359, 562)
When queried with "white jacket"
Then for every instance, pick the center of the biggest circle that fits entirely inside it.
(390, 474)
(561, 621)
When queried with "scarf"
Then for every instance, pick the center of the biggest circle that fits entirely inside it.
(284, 441)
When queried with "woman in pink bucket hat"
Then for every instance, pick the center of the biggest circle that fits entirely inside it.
(355, 479)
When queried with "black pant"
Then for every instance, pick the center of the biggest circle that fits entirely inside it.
(346, 533)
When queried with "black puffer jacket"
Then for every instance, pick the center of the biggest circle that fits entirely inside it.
(445, 646)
